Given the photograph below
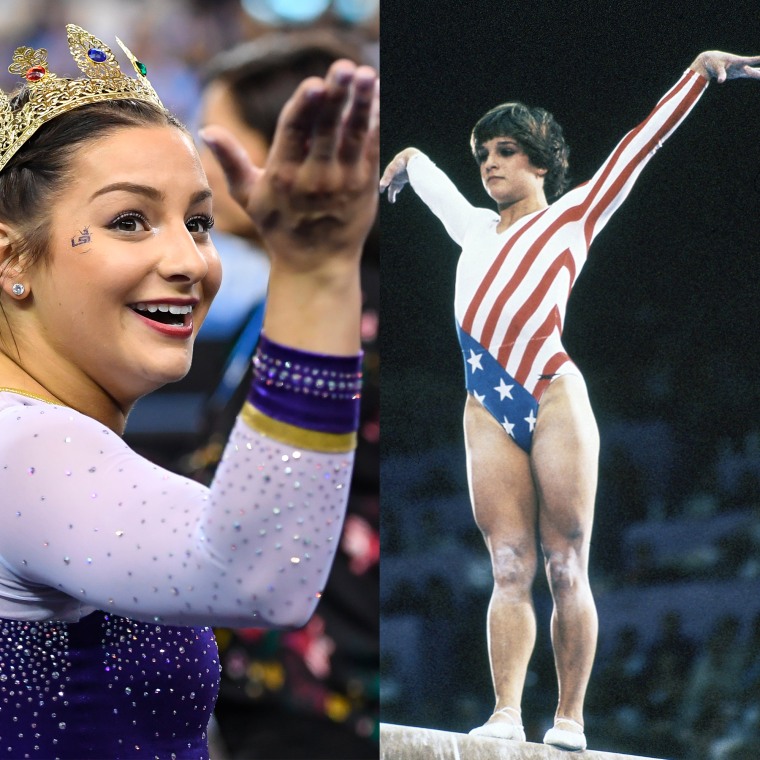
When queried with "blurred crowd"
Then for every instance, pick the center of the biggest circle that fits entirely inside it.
(675, 571)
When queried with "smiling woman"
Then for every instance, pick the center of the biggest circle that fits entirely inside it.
(148, 254)
(107, 270)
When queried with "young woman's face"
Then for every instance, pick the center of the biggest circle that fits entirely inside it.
(131, 269)
(506, 171)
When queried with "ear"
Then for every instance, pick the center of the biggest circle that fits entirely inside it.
(541, 172)
(12, 272)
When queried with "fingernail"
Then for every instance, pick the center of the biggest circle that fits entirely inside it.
(203, 133)
(365, 80)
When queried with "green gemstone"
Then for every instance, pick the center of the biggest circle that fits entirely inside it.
(142, 68)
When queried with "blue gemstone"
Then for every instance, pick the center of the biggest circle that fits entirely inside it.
(96, 55)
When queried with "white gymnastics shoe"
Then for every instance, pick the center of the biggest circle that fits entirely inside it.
(511, 728)
(565, 738)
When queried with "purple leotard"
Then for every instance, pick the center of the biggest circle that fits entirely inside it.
(111, 567)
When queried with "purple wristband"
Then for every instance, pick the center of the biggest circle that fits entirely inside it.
(308, 390)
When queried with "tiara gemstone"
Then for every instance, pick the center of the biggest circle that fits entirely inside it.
(50, 96)
(96, 55)
(35, 73)
(141, 67)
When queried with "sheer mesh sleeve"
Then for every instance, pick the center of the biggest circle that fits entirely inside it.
(88, 523)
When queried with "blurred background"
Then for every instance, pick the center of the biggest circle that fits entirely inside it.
(311, 693)
(663, 322)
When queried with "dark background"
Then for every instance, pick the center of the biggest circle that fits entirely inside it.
(663, 323)
(671, 285)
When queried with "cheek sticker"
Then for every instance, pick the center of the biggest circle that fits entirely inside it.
(83, 238)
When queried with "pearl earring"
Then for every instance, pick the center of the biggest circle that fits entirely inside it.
(18, 289)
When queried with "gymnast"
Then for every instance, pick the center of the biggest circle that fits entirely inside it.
(531, 440)
(112, 569)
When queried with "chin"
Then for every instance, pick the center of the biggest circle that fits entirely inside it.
(157, 377)
(173, 375)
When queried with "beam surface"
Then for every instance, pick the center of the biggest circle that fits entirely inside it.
(411, 743)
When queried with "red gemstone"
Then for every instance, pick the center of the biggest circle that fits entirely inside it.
(35, 73)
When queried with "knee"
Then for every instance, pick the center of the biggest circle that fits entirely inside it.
(514, 567)
(566, 571)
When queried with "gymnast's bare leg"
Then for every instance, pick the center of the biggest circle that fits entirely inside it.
(512, 494)
(505, 507)
(564, 460)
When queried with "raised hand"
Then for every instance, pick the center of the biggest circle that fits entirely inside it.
(720, 66)
(314, 200)
(314, 203)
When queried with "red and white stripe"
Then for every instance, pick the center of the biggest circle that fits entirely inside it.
(512, 288)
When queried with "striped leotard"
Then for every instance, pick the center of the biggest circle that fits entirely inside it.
(512, 287)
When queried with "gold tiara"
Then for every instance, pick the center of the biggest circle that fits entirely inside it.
(50, 95)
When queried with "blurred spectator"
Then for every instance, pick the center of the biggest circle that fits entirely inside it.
(310, 693)
(671, 638)
(620, 680)
(713, 676)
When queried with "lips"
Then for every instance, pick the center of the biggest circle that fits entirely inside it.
(172, 319)
(169, 314)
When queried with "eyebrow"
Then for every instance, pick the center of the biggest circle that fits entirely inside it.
(499, 141)
(146, 190)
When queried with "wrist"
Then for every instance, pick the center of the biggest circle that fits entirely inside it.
(699, 66)
(315, 310)
(308, 399)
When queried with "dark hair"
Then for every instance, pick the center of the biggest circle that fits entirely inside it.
(539, 135)
(43, 165)
(263, 74)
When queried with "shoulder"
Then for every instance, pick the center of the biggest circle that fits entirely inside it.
(32, 426)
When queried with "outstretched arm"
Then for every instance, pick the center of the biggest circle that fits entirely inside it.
(433, 187)
(714, 64)
(314, 203)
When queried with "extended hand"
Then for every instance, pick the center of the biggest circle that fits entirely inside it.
(314, 201)
(395, 175)
(720, 66)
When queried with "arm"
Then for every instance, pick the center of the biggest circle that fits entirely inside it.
(104, 528)
(609, 187)
(435, 189)
(91, 520)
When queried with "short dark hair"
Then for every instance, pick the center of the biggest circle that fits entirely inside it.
(539, 135)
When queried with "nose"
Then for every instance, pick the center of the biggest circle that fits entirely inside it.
(490, 162)
(182, 259)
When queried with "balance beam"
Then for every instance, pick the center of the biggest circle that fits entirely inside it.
(411, 743)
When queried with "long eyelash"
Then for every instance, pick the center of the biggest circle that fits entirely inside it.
(207, 220)
(129, 215)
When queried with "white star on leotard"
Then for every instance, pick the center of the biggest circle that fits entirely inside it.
(478, 397)
(503, 389)
(531, 420)
(474, 360)
(508, 426)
